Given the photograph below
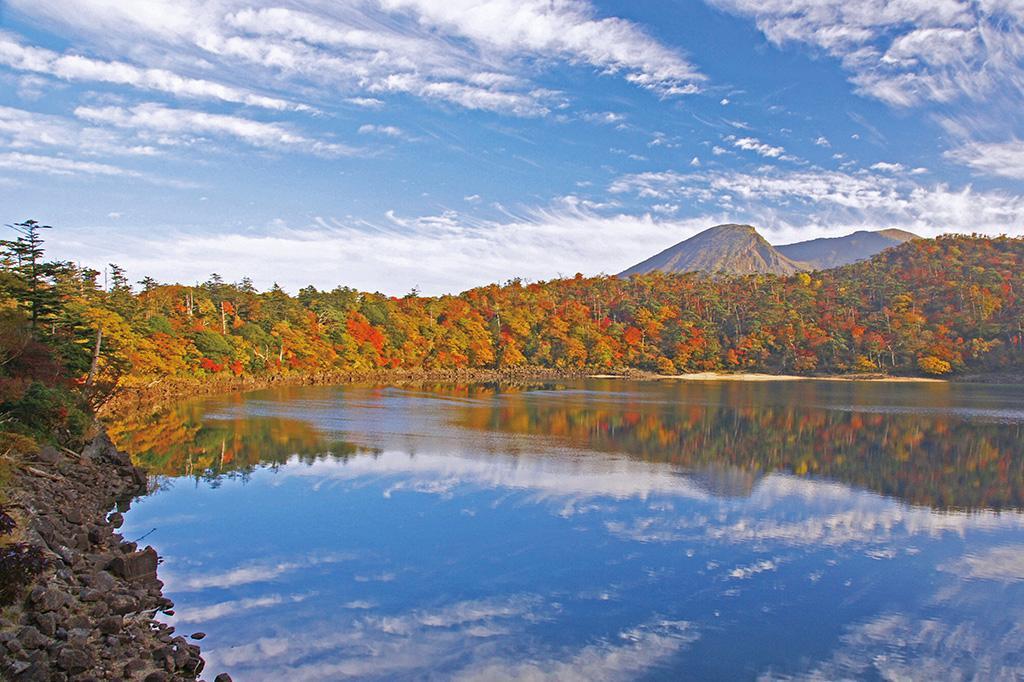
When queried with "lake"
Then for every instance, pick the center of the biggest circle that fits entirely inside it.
(593, 530)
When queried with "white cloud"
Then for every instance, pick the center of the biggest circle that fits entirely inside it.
(32, 87)
(187, 122)
(752, 144)
(1001, 159)
(478, 55)
(567, 28)
(53, 165)
(804, 203)
(386, 131)
(822, 141)
(606, 117)
(366, 102)
(539, 244)
(74, 67)
(887, 167)
(21, 129)
(905, 53)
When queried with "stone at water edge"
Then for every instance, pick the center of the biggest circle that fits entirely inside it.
(197, 635)
(135, 566)
(223, 677)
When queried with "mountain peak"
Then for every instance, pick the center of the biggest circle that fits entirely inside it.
(739, 250)
(732, 227)
(897, 234)
(728, 248)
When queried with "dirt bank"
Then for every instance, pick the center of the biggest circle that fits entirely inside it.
(754, 376)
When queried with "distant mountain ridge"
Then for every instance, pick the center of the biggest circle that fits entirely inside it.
(739, 250)
(831, 252)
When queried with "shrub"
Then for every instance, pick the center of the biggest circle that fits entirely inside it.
(158, 324)
(863, 364)
(210, 366)
(16, 442)
(47, 411)
(212, 344)
(933, 365)
(7, 523)
(20, 563)
(666, 366)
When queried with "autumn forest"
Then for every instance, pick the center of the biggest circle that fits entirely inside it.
(941, 306)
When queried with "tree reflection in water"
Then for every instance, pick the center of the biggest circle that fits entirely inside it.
(946, 447)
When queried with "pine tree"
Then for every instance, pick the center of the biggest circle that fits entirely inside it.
(25, 258)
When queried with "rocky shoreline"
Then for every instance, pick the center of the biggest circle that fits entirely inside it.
(91, 614)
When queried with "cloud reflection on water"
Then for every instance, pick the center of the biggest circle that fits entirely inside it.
(474, 552)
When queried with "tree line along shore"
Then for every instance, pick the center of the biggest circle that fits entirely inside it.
(941, 307)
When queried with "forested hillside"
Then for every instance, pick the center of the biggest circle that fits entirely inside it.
(941, 306)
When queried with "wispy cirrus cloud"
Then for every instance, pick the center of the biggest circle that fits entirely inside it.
(21, 129)
(477, 55)
(818, 200)
(1000, 159)
(905, 53)
(161, 119)
(566, 28)
(76, 67)
(55, 165)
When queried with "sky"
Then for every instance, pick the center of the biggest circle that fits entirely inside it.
(439, 145)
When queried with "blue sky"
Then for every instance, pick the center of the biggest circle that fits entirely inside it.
(442, 144)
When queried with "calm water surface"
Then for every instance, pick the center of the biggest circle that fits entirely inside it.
(594, 530)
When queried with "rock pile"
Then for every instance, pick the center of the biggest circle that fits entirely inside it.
(91, 615)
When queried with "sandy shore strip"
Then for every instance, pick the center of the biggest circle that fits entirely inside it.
(754, 376)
